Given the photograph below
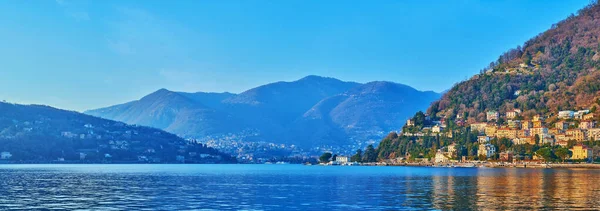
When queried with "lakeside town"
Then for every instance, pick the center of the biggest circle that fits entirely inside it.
(561, 140)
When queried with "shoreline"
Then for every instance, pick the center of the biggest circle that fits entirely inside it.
(431, 165)
(503, 165)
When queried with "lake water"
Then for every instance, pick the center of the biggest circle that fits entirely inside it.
(293, 187)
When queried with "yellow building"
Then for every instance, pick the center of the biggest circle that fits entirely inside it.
(478, 126)
(581, 152)
(514, 124)
(506, 133)
(537, 123)
(490, 130)
(588, 116)
(576, 134)
(554, 131)
(562, 125)
(523, 133)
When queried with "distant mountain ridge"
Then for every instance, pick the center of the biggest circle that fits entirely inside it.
(280, 111)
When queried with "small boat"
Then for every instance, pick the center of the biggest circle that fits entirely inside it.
(467, 165)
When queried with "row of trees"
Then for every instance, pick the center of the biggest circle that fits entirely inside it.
(370, 155)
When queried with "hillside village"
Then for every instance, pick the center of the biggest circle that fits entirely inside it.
(566, 129)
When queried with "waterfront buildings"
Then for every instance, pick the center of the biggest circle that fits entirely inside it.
(581, 152)
(486, 150)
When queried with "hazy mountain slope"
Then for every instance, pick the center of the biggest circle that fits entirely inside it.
(367, 111)
(42, 133)
(210, 99)
(180, 113)
(282, 102)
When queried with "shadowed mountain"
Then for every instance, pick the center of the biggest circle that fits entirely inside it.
(364, 112)
(35, 133)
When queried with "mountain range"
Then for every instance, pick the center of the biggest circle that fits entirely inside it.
(310, 112)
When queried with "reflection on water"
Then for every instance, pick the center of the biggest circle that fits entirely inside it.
(293, 187)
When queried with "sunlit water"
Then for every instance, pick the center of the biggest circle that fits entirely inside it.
(293, 187)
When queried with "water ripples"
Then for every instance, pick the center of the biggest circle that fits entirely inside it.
(293, 187)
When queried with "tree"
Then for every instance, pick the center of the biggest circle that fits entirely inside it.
(545, 153)
(482, 157)
(357, 157)
(325, 157)
(563, 153)
(334, 157)
(370, 154)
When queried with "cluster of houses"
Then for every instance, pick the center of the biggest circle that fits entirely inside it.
(574, 126)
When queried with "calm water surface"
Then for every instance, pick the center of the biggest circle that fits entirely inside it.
(293, 187)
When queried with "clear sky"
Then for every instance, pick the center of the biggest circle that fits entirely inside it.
(79, 54)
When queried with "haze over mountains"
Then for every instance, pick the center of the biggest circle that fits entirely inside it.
(313, 111)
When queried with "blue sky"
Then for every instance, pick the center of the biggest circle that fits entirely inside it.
(79, 54)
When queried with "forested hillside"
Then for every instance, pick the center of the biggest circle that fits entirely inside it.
(36, 133)
(553, 71)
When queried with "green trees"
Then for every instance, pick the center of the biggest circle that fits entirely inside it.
(357, 157)
(370, 154)
(482, 157)
(563, 153)
(325, 157)
(546, 153)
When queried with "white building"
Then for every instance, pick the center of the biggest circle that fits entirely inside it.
(440, 157)
(342, 159)
(452, 148)
(492, 115)
(513, 114)
(566, 114)
(436, 129)
(486, 150)
(594, 134)
(478, 127)
(483, 139)
(5, 155)
(579, 114)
